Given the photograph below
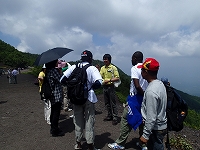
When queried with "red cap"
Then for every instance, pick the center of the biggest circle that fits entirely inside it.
(150, 64)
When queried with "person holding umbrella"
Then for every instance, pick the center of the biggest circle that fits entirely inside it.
(53, 76)
(50, 58)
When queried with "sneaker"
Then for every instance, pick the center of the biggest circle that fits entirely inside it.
(69, 109)
(96, 148)
(76, 147)
(71, 116)
(48, 122)
(115, 146)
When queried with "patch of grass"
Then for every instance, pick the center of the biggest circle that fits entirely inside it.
(122, 97)
(180, 143)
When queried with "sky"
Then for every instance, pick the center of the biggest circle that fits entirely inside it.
(168, 31)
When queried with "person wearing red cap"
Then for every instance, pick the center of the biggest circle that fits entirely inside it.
(153, 107)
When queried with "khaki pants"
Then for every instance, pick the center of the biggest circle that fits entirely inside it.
(84, 117)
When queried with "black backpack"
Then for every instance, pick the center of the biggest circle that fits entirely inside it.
(177, 110)
(46, 90)
(77, 90)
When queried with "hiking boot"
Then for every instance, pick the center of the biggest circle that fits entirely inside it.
(57, 133)
(77, 146)
(108, 118)
(115, 146)
(91, 147)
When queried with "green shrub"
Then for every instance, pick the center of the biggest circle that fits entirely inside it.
(35, 71)
(180, 143)
(193, 119)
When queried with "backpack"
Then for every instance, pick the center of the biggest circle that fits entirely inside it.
(46, 90)
(77, 90)
(177, 110)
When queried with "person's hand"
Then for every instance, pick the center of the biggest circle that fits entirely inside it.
(106, 81)
(143, 140)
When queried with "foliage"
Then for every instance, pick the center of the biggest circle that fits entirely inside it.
(180, 143)
(35, 71)
(193, 119)
(10, 56)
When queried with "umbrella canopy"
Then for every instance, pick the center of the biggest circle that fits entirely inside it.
(51, 55)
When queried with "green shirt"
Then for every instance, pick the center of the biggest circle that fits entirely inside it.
(64, 69)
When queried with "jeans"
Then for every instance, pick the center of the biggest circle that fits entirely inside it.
(156, 140)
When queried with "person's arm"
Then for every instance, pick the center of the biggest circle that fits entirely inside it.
(41, 76)
(115, 74)
(151, 114)
(137, 86)
(97, 84)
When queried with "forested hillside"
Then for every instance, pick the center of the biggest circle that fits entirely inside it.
(192, 101)
(9, 56)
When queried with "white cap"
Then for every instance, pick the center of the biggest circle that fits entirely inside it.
(44, 66)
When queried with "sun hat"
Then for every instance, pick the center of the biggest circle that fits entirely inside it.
(44, 66)
(150, 64)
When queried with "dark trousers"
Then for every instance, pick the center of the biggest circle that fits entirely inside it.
(156, 140)
(110, 102)
(54, 118)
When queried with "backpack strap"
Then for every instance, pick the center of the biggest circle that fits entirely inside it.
(85, 67)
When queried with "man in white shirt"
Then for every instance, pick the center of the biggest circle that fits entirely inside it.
(137, 87)
(84, 115)
(14, 74)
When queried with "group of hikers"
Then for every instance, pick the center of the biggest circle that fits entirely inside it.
(145, 108)
(12, 75)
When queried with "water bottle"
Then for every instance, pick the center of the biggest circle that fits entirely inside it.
(143, 146)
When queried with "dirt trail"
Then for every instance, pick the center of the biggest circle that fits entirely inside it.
(22, 124)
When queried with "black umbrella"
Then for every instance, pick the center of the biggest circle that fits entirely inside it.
(51, 54)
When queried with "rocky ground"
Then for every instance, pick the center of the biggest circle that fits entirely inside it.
(22, 124)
